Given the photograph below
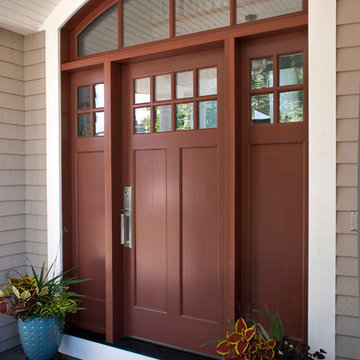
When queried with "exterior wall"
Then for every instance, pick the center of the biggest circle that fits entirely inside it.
(22, 161)
(348, 82)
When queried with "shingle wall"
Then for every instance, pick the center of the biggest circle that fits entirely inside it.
(348, 84)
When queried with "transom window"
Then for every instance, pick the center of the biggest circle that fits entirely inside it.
(90, 110)
(276, 89)
(146, 21)
(176, 101)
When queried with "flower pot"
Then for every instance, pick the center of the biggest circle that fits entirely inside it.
(40, 338)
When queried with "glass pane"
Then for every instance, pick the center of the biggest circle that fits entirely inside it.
(101, 35)
(262, 109)
(99, 124)
(84, 125)
(260, 9)
(262, 73)
(84, 98)
(194, 16)
(99, 96)
(208, 81)
(184, 117)
(291, 106)
(163, 118)
(142, 120)
(145, 21)
(142, 90)
(163, 87)
(184, 84)
(291, 69)
(207, 114)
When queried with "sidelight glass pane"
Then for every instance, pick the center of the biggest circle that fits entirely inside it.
(184, 116)
(99, 124)
(84, 98)
(142, 90)
(145, 21)
(262, 73)
(260, 9)
(163, 87)
(262, 109)
(194, 16)
(162, 118)
(99, 96)
(291, 69)
(207, 114)
(184, 84)
(291, 107)
(208, 81)
(84, 125)
(101, 35)
(142, 120)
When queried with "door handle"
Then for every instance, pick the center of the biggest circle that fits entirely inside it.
(126, 233)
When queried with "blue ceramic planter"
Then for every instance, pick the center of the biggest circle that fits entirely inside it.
(40, 338)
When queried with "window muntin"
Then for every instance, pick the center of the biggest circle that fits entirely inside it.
(100, 35)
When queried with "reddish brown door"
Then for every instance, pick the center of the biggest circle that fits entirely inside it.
(272, 167)
(173, 160)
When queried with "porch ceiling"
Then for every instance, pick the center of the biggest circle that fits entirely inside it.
(25, 16)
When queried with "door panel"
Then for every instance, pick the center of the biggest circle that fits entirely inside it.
(174, 274)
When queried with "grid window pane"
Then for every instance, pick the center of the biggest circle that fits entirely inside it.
(142, 90)
(207, 114)
(262, 109)
(99, 96)
(184, 116)
(262, 73)
(291, 69)
(101, 35)
(184, 84)
(163, 87)
(84, 125)
(99, 124)
(194, 16)
(142, 120)
(163, 118)
(84, 98)
(291, 107)
(208, 81)
(260, 9)
(145, 21)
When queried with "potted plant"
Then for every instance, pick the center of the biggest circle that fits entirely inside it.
(248, 340)
(40, 305)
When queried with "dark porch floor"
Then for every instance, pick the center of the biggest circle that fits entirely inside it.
(17, 353)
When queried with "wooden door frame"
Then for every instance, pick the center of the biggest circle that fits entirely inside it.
(111, 61)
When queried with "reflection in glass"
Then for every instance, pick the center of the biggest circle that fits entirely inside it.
(207, 114)
(291, 69)
(101, 35)
(84, 125)
(163, 87)
(142, 90)
(99, 96)
(194, 16)
(291, 107)
(262, 73)
(145, 21)
(260, 9)
(262, 109)
(84, 98)
(208, 81)
(184, 84)
(142, 120)
(163, 118)
(184, 117)
(99, 124)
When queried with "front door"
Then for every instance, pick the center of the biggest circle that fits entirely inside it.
(173, 160)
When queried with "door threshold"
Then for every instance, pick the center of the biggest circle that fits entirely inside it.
(139, 346)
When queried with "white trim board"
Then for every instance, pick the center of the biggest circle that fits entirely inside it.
(89, 350)
(322, 161)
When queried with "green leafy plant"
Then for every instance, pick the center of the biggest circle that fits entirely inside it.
(40, 296)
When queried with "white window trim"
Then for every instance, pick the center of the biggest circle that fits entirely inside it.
(322, 160)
